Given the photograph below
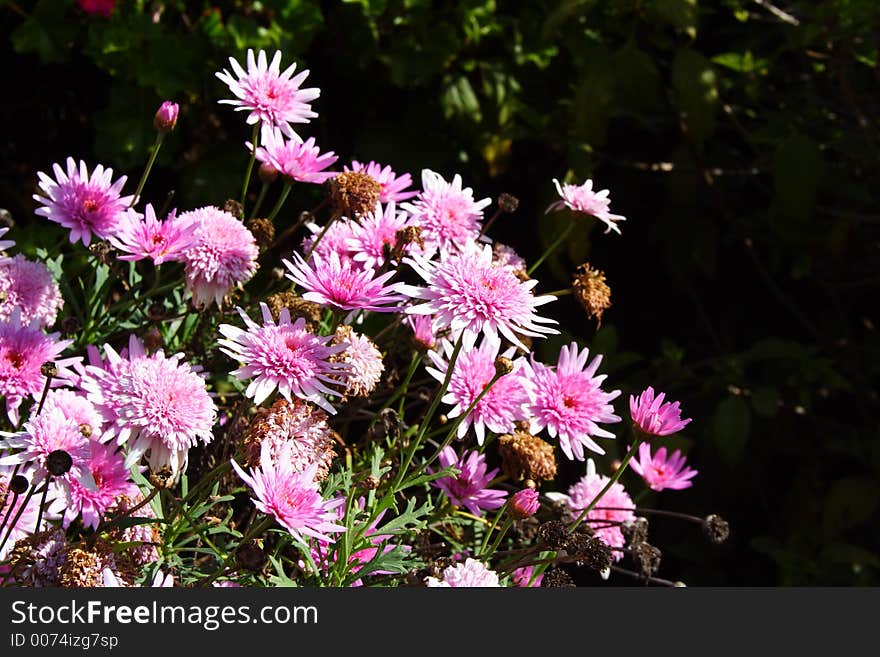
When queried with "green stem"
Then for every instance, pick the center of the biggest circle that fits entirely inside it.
(321, 236)
(498, 517)
(255, 141)
(552, 247)
(507, 523)
(280, 201)
(255, 530)
(146, 173)
(260, 197)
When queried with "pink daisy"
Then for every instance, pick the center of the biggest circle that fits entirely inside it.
(568, 401)
(392, 187)
(468, 293)
(29, 286)
(499, 408)
(470, 574)
(298, 160)
(284, 356)
(161, 241)
(607, 510)
(84, 204)
(468, 488)
(376, 235)
(337, 239)
(9, 507)
(23, 351)
(77, 408)
(269, 94)
(158, 404)
(654, 418)
(447, 213)
(660, 472)
(292, 498)
(582, 198)
(525, 577)
(223, 254)
(336, 282)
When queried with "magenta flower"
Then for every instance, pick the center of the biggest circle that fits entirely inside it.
(654, 418)
(526, 578)
(364, 362)
(336, 282)
(447, 213)
(84, 204)
(28, 286)
(23, 351)
(297, 160)
(285, 356)
(223, 254)
(375, 234)
(103, 8)
(524, 503)
(161, 241)
(291, 497)
(391, 185)
(423, 330)
(569, 401)
(269, 94)
(582, 198)
(166, 117)
(470, 574)
(468, 488)
(158, 404)
(499, 408)
(660, 472)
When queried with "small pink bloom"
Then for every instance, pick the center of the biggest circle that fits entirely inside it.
(297, 160)
(103, 8)
(470, 574)
(423, 330)
(28, 286)
(469, 487)
(364, 362)
(582, 198)
(166, 117)
(653, 417)
(337, 239)
(391, 185)
(660, 472)
(524, 503)
(161, 241)
(376, 233)
(526, 577)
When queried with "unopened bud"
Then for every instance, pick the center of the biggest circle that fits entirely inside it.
(166, 117)
(85, 429)
(19, 484)
(59, 462)
(507, 203)
(267, 173)
(524, 503)
(263, 231)
(48, 369)
(234, 208)
(503, 366)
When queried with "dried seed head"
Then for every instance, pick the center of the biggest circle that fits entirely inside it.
(524, 456)
(554, 534)
(48, 369)
(592, 291)
(70, 325)
(58, 463)
(234, 208)
(716, 528)
(162, 478)
(507, 202)
(263, 231)
(101, 250)
(590, 551)
(404, 237)
(557, 578)
(371, 482)
(296, 306)
(647, 558)
(354, 193)
(85, 429)
(19, 484)
(635, 531)
(503, 366)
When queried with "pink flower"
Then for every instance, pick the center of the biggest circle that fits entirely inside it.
(654, 418)
(607, 510)
(660, 472)
(582, 198)
(103, 8)
(23, 351)
(111, 481)
(297, 160)
(377, 233)
(335, 282)
(569, 402)
(84, 204)
(499, 408)
(77, 408)
(269, 94)
(222, 255)
(28, 286)
(5, 244)
(447, 213)
(337, 239)
(524, 503)
(284, 356)
(158, 404)
(505, 256)
(470, 574)
(468, 293)
(423, 330)
(161, 241)
(292, 498)
(166, 117)
(468, 488)
(10, 505)
(525, 577)
(364, 362)
(391, 185)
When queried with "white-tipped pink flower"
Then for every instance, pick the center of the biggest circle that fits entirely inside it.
(85, 204)
(569, 402)
(161, 241)
(392, 187)
(582, 198)
(467, 293)
(661, 472)
(291, 497)
(271, 95)
(298, 160)
(28, 286)
(470, 574)
(285, 356)
(337, 282)
(376, 233)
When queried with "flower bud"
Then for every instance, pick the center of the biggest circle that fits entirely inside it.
(503, 366)
(524, 503)
(18, 485)
(59, 462)
(507, 203)
(267, 173)
(48, 369)
(166, 117)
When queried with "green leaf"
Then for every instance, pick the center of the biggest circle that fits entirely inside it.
(696, 92)
(731, 429)
(459, 99)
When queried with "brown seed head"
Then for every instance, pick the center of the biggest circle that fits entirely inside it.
(354, 193)
(296, 306)
(263, 231)
(591, 290)
(524, 456)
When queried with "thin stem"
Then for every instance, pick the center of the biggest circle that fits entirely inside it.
(42, 504)
(255, 141)
(498, 517)
(45, 393)
(552, 247)
(262, 195)
(137, 195)
(284, 193)
(488, 224)
(321, 236)
(21, 509)
(560, 293)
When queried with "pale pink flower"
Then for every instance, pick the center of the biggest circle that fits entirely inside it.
(660, 472)
(161, 241)
(292, 498)
(392, 187)
(28, 286)
(582, 198)
(505, 256)
(525, 577)
(336, 282)
(285, 356)
(75, 407)
(469, 294)
(654, 418)
(474, 368)
(223, 254)
(470, 574)
(10, 505)
(337, 239)
(469, 487)
(376, 233)
(364, 362)
(447, 213)
(23, 351)
(298, 160)
(569, 401)
(271, 95)
(85, 204)
(5, 244)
